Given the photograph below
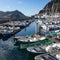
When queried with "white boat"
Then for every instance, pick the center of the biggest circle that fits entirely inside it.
(58, 56)
(45, 57)
(36, 50)
(29, 39)
(53, 47)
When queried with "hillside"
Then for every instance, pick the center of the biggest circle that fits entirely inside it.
(12, 14)
(55, 4)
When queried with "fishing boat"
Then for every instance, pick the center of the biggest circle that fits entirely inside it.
(40, 49)
(45, 57)
(50, 28)
(32, 40)
(58, 56)
(28, 41)
(36, 50)
(5, 33)
(53, 48)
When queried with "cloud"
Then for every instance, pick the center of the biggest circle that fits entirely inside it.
(19, 1)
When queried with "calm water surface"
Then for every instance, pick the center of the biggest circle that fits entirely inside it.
(28, 30)
(10, 52)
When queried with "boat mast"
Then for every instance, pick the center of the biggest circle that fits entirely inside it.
(36, 28)
(52, 11)
(56, 11)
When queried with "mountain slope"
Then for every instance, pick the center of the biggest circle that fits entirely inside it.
(12, 14)
(55, 4)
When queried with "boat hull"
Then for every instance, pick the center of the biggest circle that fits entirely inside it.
(23, 45)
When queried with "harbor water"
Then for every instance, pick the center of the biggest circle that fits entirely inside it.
(30, 30)
(8, 51)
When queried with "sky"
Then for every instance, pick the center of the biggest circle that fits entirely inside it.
(27, 7)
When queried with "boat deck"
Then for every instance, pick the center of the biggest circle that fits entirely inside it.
(37, 50)
(29, 39)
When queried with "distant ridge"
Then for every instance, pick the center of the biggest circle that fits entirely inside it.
(12, 14)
